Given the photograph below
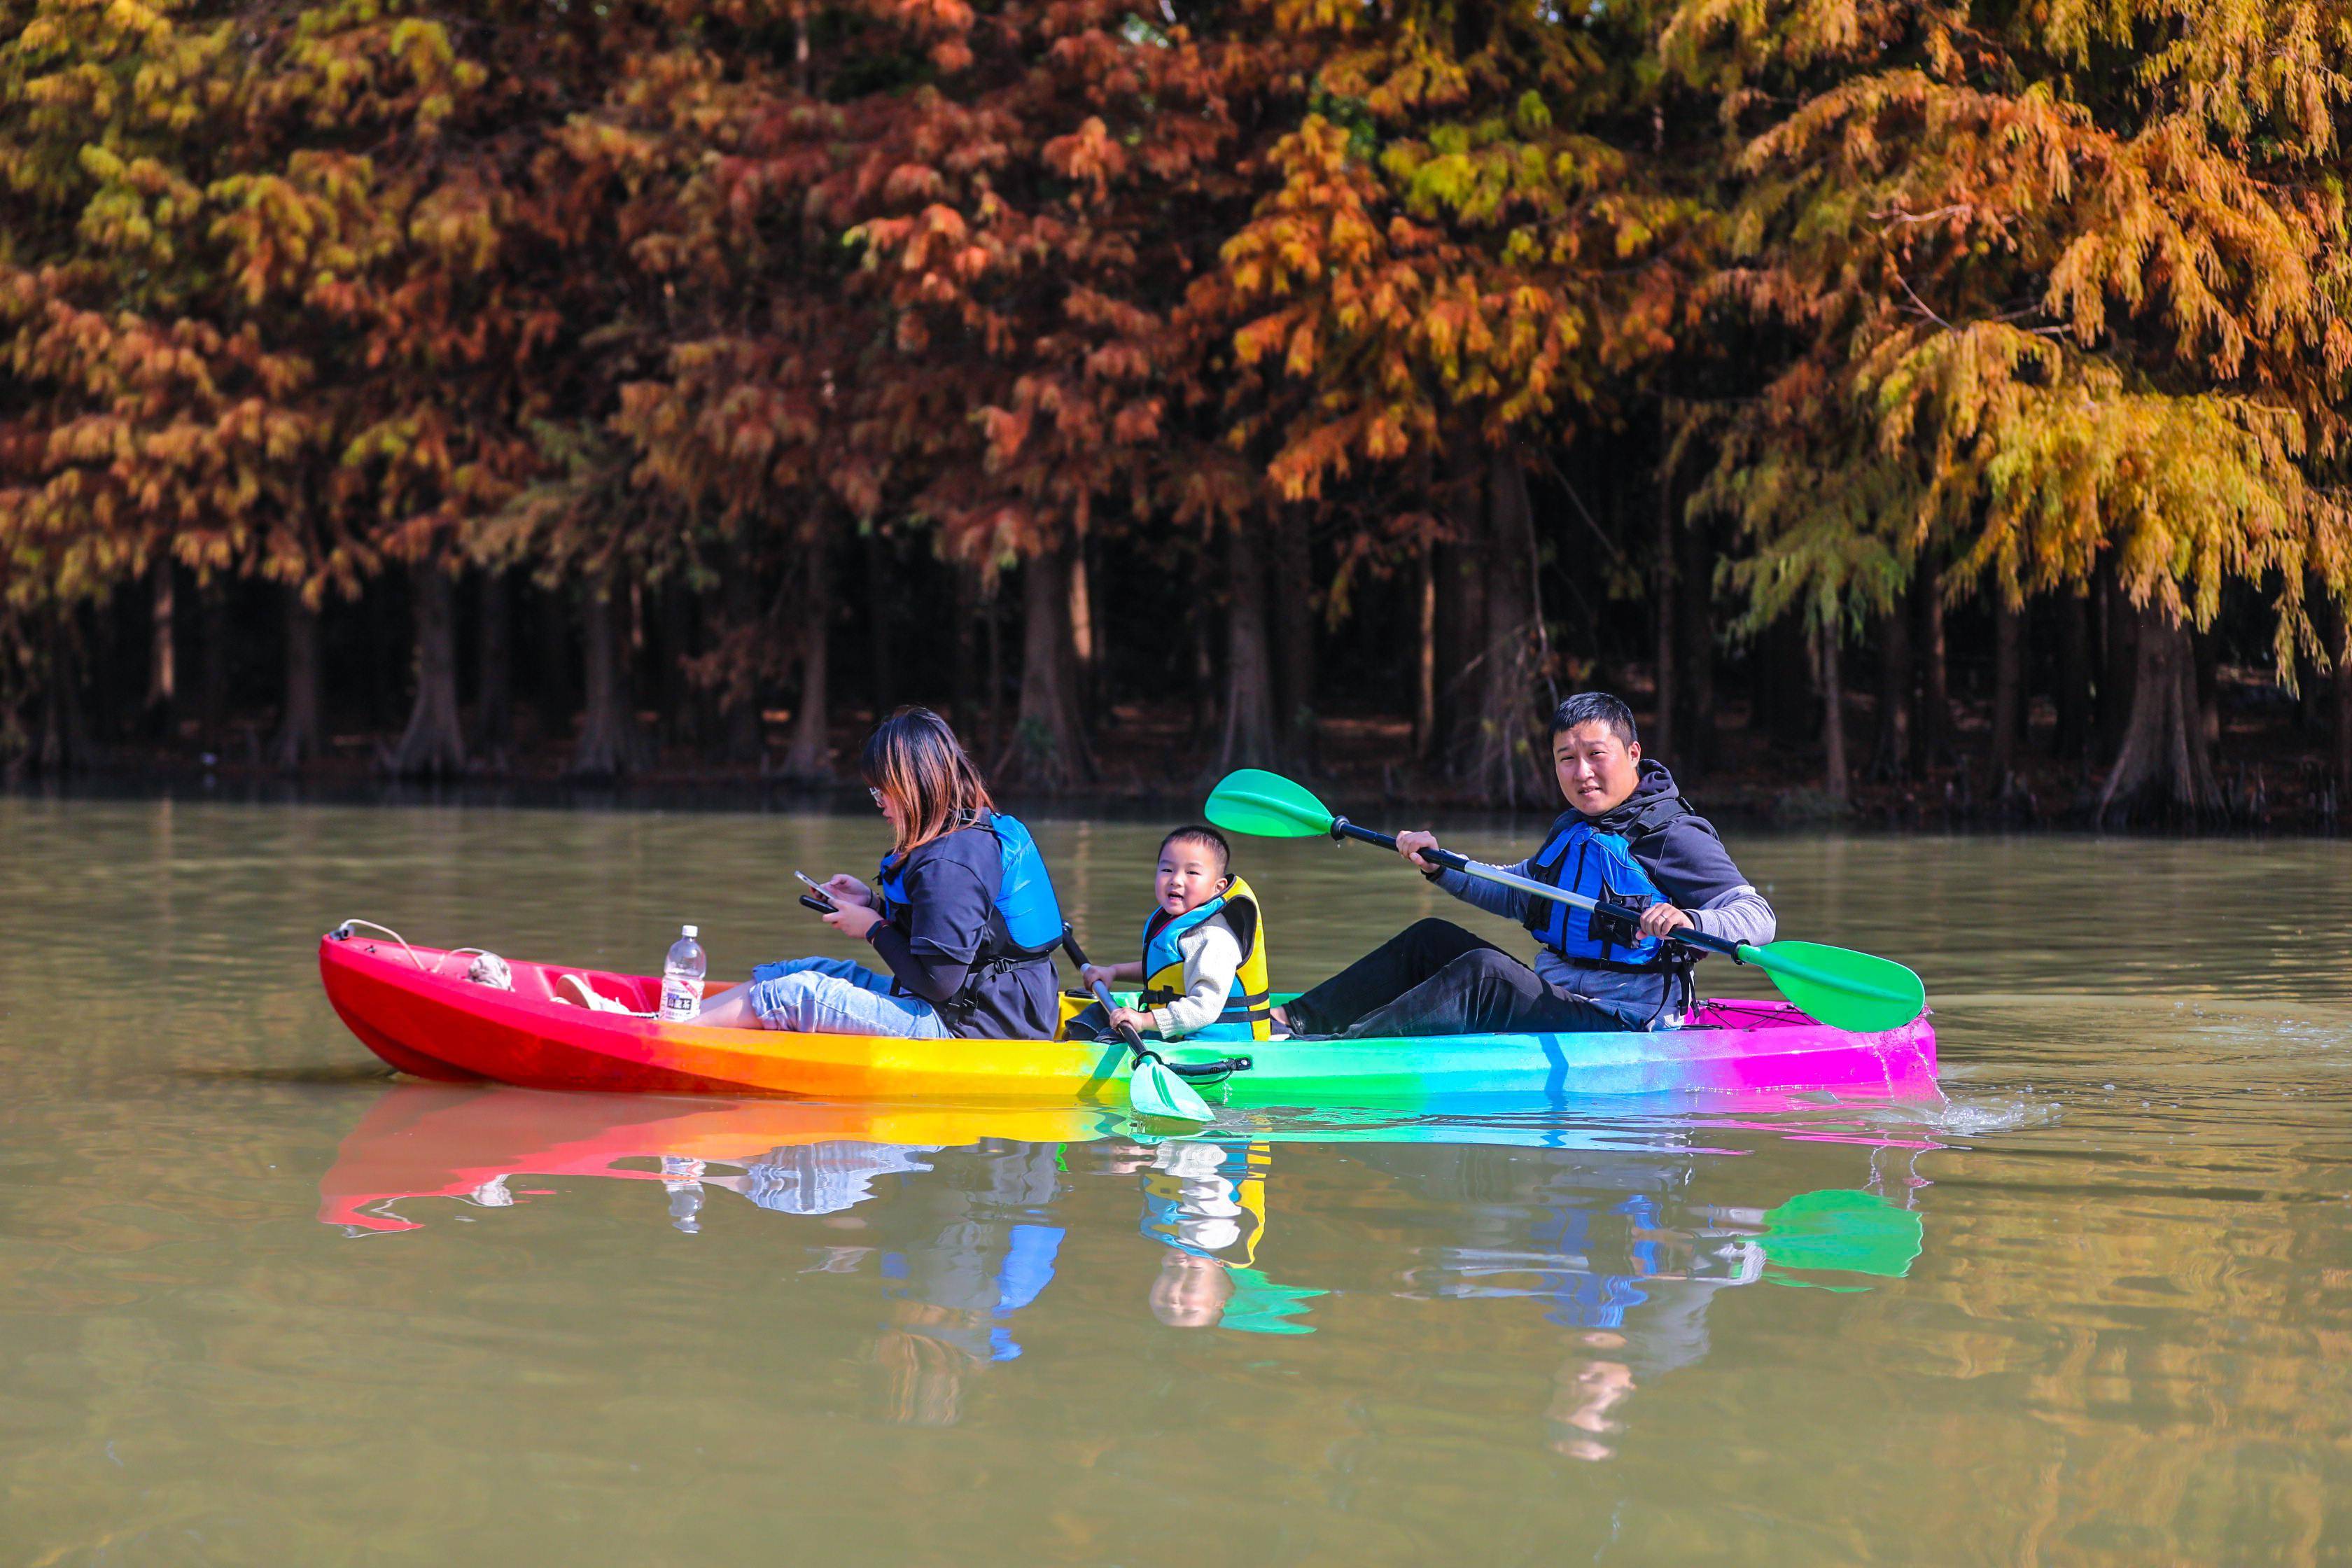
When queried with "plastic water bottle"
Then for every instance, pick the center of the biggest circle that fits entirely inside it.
(682, 973)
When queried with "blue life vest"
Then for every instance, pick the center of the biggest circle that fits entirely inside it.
(1582, 857)
(1025, 924)
(1249, 1006)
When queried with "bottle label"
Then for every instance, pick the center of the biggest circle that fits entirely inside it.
(681, 1000)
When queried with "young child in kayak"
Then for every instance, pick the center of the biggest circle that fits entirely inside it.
(961, 914)
(1203, 964)
(1627, 839)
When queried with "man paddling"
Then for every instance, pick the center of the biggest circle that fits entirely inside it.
(1627, 840)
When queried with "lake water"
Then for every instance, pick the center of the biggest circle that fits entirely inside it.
(262, 1304)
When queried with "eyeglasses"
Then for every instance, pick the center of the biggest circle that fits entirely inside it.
(874, 793)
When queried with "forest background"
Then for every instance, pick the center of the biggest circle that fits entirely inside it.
(1940, 407)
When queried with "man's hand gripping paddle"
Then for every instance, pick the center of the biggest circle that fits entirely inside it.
(1836, 985)
(1153, 1089)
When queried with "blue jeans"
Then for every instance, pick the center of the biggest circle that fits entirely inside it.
(836, 996)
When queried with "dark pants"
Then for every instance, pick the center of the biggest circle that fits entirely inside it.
(1435, 978)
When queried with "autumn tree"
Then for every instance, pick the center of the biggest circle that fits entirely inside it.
(2062, 289)
(1471, 253)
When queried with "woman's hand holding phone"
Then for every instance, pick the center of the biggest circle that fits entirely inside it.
(845, 888)
(856, 920)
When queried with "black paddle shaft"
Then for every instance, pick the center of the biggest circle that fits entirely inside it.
(1689, 936)
(1223, 1067)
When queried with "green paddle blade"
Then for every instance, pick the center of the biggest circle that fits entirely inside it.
(1266, 806)
(1153, 1090)
(1842, 988)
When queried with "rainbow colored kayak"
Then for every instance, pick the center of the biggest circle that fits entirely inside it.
(415, 1008)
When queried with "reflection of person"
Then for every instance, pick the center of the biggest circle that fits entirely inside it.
(959, 1287)
(1610, 1245)
(1628, 840)
(1203, 964)
(1585, 1389)
(1192, 1290)
(962, 914)
(1205, 1203)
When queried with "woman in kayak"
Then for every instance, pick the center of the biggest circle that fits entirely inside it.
(1628, 840)
(962, 914)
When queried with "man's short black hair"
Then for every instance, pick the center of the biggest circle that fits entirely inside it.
(1208, 839)
(1595, 708)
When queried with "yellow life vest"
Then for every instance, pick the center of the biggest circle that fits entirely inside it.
(1249, 1010)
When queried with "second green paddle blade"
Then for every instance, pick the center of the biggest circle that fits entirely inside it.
(1842, 988)
(1153, 1090)
(1266, 806)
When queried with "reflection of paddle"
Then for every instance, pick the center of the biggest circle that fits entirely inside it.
(1152, 1089)
(1836, 985)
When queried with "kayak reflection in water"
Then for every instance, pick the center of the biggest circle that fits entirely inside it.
(961, 912)
(1628, 840)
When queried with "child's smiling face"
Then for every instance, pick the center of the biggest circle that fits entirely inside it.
(1188, 876)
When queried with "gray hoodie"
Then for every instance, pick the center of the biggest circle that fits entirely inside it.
(1685, 856)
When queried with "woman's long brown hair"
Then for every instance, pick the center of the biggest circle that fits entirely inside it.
(915, 759)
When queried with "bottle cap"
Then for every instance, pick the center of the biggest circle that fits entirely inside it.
(688, 931)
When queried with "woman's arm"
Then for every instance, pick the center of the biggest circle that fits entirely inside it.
(948, 908)
(934, 978)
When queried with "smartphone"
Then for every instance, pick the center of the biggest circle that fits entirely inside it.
(816, 898)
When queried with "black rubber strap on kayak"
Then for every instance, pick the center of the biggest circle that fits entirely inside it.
(1223, 1067)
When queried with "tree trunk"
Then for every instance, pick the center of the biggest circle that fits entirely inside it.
(1663, 732)
(65, 733)
(742, 697)
(2164, 769)
(1048, 749)
(1291, 608)
(1932, 735)
(1461, 630)
(1424, 653)
(682, 698)
(2206, 650)
(809, 757)
(2072, 740)
(1782, 693)
(433, 745)
(2008, 695)
(2344, 708)
(1500, 769)
(212, 665)
(1892, 757)
(1830, 638)
(300, 726)
(964, 708)
(1206, 725)
(607, 747)
(2117, 662)
(882, 595)
(556, 659)
(162, 655)
(1694, 719)
(1249, 729)
(994, 627)
(494, 675)
(1085, 632)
